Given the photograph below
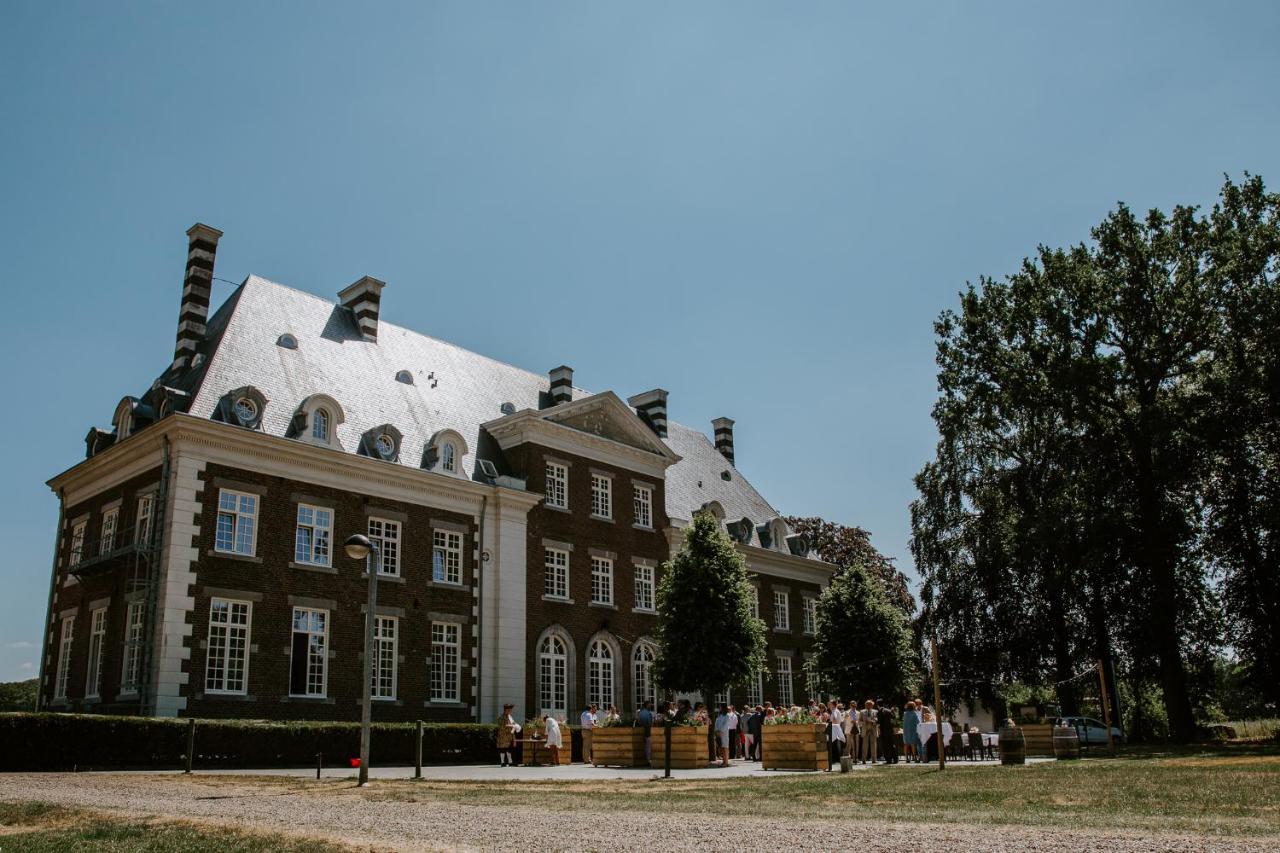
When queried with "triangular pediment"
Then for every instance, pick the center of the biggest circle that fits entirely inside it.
(606, 416)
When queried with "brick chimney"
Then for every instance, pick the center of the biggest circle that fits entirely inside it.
(363, 299)
(561, 385)
(651, 406)
(724, 437)
(202, 247)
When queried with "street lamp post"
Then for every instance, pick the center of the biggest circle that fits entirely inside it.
(358, 547)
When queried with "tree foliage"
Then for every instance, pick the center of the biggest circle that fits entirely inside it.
(851, 546)
(863, 647)
(708, 639)
(1107, 451)
(18, 695)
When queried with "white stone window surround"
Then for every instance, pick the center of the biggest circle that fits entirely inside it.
(781, 610)
(306, 415)
(601, 495)
(446, 662)
(646, 585)
(387, 534)
(236, 527)
(602, 578)
(786, 693)
(309, 637)
(642, 658)
(227, 647)
(446, 556)
(556, 671)
(313, 538)
(386, 643)
(557, 484)
(447, 444)
(555, 561)
(642, 501)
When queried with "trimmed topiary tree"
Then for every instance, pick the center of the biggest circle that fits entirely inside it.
(708, 640)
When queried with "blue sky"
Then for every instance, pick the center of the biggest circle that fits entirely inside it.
(759, 207)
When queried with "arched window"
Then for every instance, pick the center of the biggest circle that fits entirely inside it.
(642, 669)
(448, 457)
(600, 674)
(553, 677)
(320, 425)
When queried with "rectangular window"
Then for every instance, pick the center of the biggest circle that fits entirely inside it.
(644, 587)
(755, 690)
(236, 531)
(107, 542)
(134, 622)
(227, 662)
(309, 653)
(811, 615)
(722, 699)
(601, 580)
(784, 681)
(755, 602)
(556, 580)
(446, 557)
(315, 532)
(644, 506)
(386, 535)
(77, 543)
(97, 634)
(557, 485)
(142, 521)
(446, 652)
(601, 496)
(385, 653)
(64, 658)
(781, 611)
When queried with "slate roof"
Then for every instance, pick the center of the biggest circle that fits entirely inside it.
(453, 388)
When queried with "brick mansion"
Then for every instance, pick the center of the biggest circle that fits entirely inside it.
(522, 523)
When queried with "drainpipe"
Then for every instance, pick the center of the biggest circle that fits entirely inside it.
(484, 505)
(149, 699)
(53, 585)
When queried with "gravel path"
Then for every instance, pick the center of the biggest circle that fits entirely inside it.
(439, 826)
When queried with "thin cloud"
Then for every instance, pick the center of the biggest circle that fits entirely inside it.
(20, 644)
(28, 666)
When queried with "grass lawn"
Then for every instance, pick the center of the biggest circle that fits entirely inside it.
(35, 827)
(1231, 791)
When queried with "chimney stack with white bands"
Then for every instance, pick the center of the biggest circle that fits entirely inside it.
(202, 247)
(651, 406)
(561, 385)
(363, 299)
(724, 437)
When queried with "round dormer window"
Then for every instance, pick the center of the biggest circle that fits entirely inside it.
(246, 411)
(385, 446)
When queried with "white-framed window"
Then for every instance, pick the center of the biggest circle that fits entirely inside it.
(77, 542)
(97, 637)
(385, 533)
(446, 653)
(557, 485)
(601, 496)
(642, 672)
(315, 534)
(446, 557)
(110, 521)
(644, 506)
(810, 615)
(600, 674)
(781, 611)
(237, 527)
(722, 698)
(755, 690)
(386, 651)
(142, 520)
(131, 667)
(644, 587)
(556, 580)
(63, 676)
(553, 677)
(784, 681)
(448, 457)
(755, 602)
(309, 653)
(227, 663)
(601, 580)
(320, 421)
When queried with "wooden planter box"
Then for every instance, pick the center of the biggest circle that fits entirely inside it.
(794, 746)
(536, 753)
(688, 747)
(1038, 738)
(618, 746)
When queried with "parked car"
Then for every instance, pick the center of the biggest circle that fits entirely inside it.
(1092, 732)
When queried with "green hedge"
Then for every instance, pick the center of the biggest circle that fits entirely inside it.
(67, 741)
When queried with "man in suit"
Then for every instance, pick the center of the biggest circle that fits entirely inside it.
(754, 724)
(888, 738)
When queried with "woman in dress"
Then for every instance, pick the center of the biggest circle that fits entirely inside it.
(553, 738)
(910, 732)
(507, 729)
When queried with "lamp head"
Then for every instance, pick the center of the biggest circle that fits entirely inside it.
(358, 546)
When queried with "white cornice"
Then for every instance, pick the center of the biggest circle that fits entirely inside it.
(779, 565)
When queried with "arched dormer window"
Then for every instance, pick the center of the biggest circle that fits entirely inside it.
(244, 407)
(287, 341)
(444, 453)
(317, 420)
(382, 442)
(448, 457)
(404, 376)
(778, 534)
(122, 420)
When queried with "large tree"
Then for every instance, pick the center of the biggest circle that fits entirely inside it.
(845, 546)
(708, 639)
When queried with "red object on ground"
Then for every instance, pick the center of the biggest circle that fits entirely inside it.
(355, 762)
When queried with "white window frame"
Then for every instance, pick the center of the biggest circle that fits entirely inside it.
(446, 557)
(553, 676)
(602, 497)
(646, 588)
(786, 693)
(781, 610)
(321, 425)
(642, 673)
(386, 533)
(63, 677)
(97, 643)
(810, 615)
(755, 690)
(142, 519)
(601, 580)
(230, 634)
(317, 652)
(755, 602)
(643, 502)
(77, 555)
(386, 651)
(318, 550)
(131, 659)
(446, 652)
(448, 457)
(557, 487)
(601, 673)
(110, 522)
(555, 582)
(240, 517)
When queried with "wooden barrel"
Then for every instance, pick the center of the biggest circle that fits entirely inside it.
(1066, 742)
(1012, 748)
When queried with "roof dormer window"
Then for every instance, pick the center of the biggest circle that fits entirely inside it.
(405, 376)
(382, 442)
(448, 457)
(243, 407)
(246, 411)
(317, 420)
(320, 425)
(385, 445)
(444, 452)
(287, 341)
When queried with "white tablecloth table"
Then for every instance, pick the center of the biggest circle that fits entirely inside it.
(926, 731)
(991, 739)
